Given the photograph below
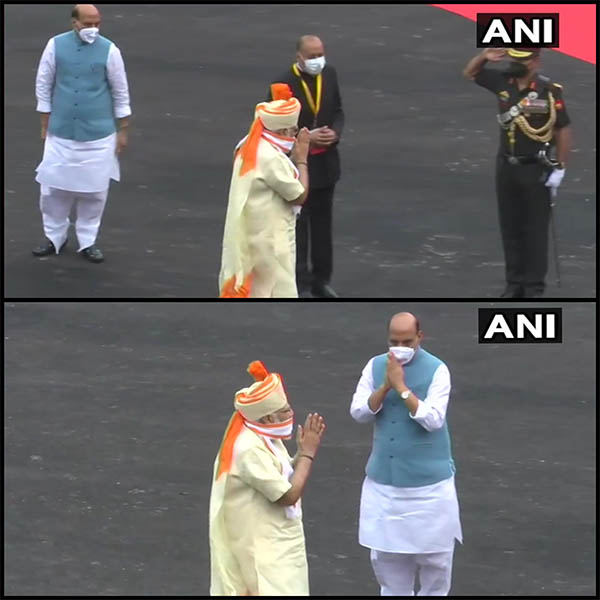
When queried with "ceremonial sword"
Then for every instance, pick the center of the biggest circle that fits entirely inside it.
(545, 159)
(553, 193)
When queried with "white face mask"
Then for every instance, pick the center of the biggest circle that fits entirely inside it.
(273, 430)
(89, 34)
(313, 66)
(286, 143)
(402, 353)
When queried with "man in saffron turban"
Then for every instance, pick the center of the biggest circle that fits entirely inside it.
(255, 526)
(266, 193)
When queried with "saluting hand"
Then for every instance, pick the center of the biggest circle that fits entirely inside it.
(494, 54)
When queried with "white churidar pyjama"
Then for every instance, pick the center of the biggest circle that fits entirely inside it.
(396, 573)
(55, 206)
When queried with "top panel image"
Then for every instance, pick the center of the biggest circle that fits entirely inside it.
(299, 151)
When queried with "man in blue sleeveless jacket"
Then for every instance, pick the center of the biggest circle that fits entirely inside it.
(409, 514)
(83, 98)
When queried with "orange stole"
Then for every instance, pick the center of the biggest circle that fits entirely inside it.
(234, 428)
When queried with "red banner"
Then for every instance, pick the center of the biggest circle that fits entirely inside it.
(577, 23)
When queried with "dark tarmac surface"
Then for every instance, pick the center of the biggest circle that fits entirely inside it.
(415, 213)
(114, 414)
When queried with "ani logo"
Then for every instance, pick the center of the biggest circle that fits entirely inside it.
(508, 30)
(520, 325)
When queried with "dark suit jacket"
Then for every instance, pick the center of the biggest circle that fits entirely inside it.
(323, 169)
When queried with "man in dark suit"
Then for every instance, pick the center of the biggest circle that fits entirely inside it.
(315, 84)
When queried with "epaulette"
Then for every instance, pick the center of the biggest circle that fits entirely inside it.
(558, 85)
(544, 79)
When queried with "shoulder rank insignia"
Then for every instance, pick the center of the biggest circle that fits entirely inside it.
(504, 95)
(557, 85)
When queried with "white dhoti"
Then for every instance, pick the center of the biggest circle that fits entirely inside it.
(76, 173)
(410, 531)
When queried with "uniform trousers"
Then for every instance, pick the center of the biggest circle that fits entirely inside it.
(524, 214)
(314, 230)
(56, 205)
(396, 573)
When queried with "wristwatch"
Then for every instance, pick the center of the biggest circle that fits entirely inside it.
(405, 395)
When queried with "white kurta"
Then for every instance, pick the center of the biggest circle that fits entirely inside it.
(414, 520)
(80, 166)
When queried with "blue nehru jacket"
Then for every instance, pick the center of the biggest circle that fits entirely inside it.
(82, 104)
(405, 454)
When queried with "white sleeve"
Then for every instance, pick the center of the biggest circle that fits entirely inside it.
(117, 80)
(360, 409)
(44, 81)
(431, 412)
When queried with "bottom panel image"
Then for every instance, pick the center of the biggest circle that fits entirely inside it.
(324, 449)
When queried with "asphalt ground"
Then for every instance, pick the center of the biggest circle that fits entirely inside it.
(415, 212)
(114, 413)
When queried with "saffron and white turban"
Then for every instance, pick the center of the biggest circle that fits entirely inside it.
(262, 398)
(281, 113)
(278, 114)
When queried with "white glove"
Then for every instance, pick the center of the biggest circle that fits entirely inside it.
(554, 180)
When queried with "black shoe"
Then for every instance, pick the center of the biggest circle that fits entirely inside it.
(93, 254)
(323, 290)
(47, 248)
(512, 291)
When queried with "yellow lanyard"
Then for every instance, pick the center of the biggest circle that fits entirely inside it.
(315, 107)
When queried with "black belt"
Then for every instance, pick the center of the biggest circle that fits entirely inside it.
(530, 159)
